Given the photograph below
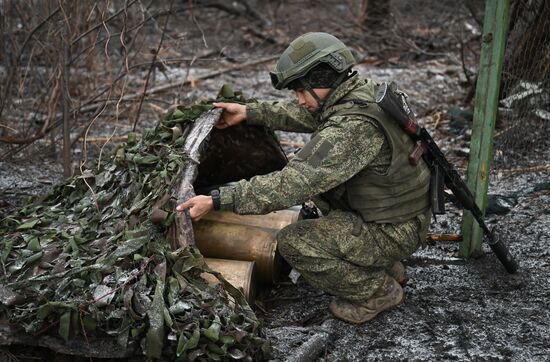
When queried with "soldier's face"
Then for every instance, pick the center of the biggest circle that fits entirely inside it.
(306, 100)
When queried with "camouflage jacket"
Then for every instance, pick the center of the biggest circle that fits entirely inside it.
(342, 146)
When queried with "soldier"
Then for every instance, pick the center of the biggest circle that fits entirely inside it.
(355, 168)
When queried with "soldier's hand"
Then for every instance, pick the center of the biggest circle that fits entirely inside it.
(198, 206)
(233, 114)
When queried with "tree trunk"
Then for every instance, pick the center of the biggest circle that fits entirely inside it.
(374, 13)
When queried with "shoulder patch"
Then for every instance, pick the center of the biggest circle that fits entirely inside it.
(315, 151)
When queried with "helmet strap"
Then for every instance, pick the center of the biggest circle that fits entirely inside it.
(321, 102)
(307, 87)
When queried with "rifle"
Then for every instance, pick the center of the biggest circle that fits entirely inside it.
(443, 173)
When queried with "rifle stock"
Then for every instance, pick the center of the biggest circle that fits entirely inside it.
(394, 105)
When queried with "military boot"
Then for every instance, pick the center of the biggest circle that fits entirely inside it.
(389, 295)
(398, 272)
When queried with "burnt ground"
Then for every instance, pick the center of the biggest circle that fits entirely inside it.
(454, 309)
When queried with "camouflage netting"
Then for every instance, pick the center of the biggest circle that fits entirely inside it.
(86, 264)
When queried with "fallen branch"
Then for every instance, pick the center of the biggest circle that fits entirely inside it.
(23, 141)
(8, 127)
(311, 349)
(527, 169)
(290, 143)
(166, 87)
(105, 139)
(159, 89)
(444, 237)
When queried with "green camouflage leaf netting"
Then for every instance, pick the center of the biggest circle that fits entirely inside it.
(86, 263)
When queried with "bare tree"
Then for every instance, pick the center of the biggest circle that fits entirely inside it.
(374, 13)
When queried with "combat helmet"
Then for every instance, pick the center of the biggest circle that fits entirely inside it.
(306, 52)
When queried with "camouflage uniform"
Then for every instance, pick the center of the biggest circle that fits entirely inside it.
(338, 253)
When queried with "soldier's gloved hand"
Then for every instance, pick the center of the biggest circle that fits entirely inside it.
(198, 206)
(233, 114)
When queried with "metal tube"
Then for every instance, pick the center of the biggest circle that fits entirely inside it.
(227, 235)
(241, 274)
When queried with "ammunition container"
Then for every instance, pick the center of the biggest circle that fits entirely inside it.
(240, 274)
(226, 235)
(274, 220)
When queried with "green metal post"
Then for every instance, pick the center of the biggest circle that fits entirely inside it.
(495, 26)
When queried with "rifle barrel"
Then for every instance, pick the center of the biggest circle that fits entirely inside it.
(463, 194)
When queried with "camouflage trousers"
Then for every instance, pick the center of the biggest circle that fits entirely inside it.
(343, 256)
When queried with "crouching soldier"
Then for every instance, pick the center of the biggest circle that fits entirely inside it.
(355, 168)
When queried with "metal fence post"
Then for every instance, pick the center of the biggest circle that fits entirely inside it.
(495, 26)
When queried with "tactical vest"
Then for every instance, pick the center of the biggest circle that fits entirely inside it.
(403, 191)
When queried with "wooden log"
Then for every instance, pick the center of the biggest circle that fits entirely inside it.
(310, 350)
(444, 237)
(195, 144)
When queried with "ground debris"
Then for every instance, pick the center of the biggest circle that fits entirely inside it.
(303, 344)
